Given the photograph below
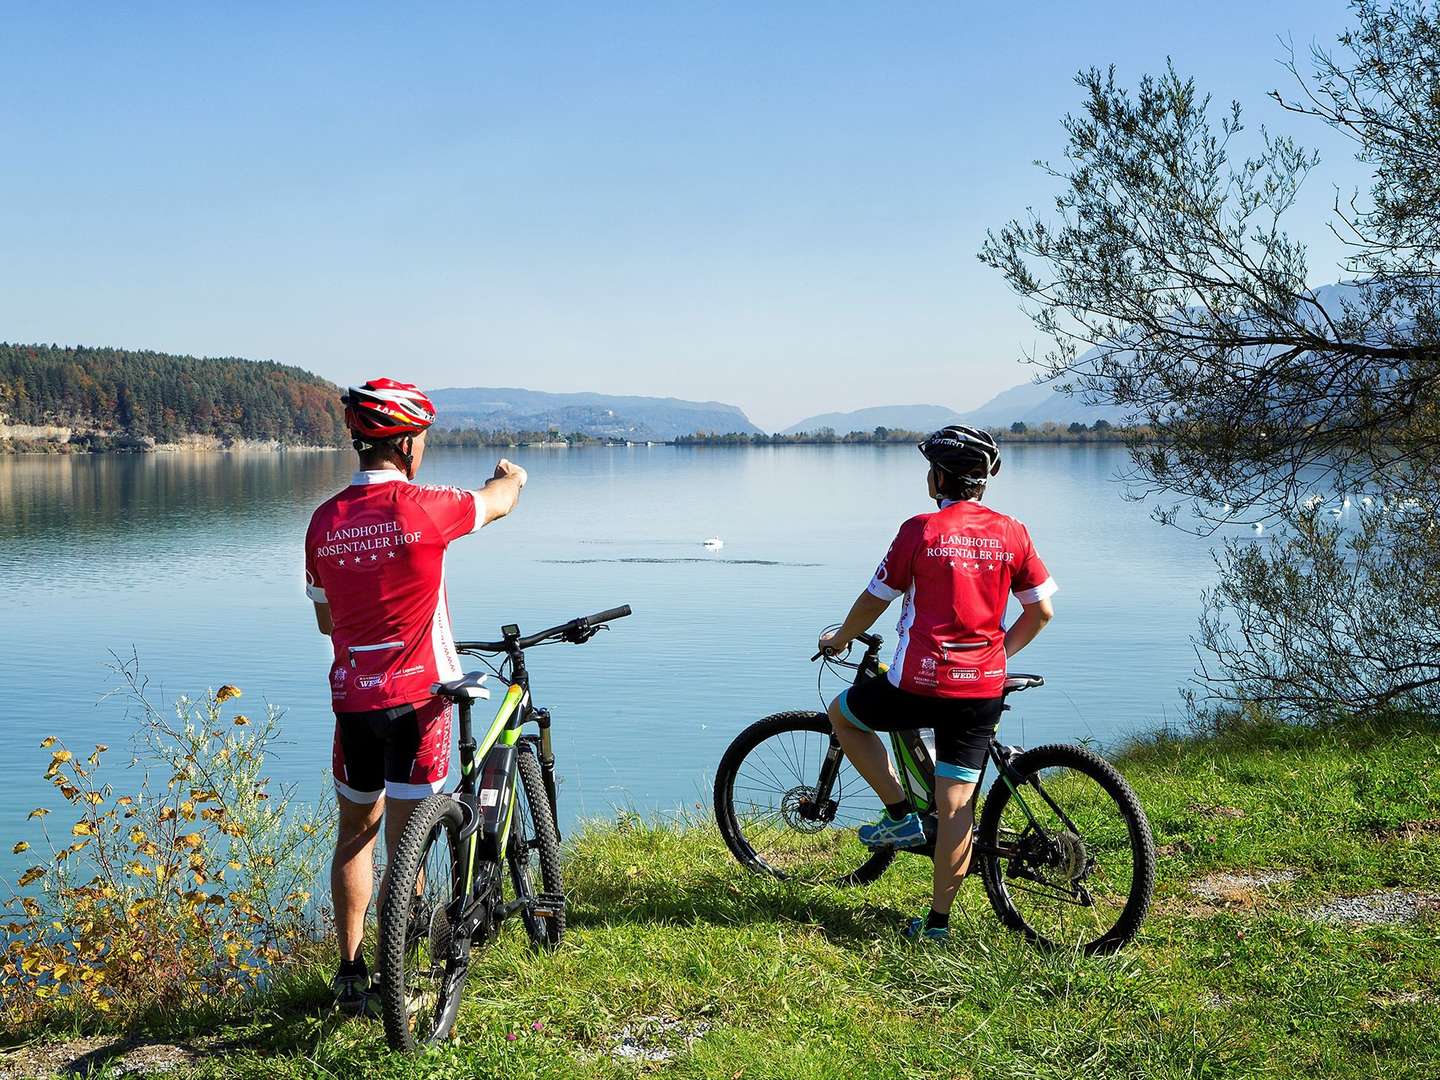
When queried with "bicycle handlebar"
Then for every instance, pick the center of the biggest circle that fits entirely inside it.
(870, 641)
(575, 629)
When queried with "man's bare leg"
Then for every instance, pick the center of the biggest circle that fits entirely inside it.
(352, 872)
(953, 839)
(869, 756)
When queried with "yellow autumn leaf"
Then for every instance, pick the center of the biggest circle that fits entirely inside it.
(39, 811)
(226, 692)
(35, 873)
(241, 720)
(47, 742)
(124, 800)
(188, 809)
(82, 828)
(61, 756)
(21, 846)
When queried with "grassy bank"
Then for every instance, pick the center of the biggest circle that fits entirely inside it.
(678, 962)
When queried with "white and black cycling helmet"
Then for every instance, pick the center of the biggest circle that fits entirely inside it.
(963, 451)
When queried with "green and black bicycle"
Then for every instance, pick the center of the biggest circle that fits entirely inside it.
(1061, 842)
(445, 891)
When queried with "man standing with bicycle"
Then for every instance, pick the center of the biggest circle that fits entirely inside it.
(956, 569)
(374, 567)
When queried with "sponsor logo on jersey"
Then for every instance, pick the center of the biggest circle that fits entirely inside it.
(927, 665)
(964, 674)
(995, 673)
(370, 682)
(339, 675)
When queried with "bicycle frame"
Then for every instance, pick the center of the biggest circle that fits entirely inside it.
(917, 768)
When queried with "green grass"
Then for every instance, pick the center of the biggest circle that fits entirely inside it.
(786, 981)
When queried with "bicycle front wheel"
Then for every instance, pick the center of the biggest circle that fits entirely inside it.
(773, 815)
(1066, 854)
(422, 966)
(533, 853)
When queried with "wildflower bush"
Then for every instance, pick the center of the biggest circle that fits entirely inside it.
(193, 880)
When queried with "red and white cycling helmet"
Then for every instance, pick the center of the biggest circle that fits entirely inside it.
(384, 408)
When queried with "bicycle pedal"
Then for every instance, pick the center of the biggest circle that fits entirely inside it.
(548, 905)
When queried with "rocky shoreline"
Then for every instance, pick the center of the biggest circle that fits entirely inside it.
(36, 439)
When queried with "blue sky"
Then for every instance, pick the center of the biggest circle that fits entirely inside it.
(772, 204)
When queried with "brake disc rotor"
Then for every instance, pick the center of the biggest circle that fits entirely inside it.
(1072, 860)
(793, 806)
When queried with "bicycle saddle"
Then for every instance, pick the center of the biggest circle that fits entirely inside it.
(1016, 681)
(469, 686)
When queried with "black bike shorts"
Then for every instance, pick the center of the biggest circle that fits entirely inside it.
(963, 726)
(402, 752)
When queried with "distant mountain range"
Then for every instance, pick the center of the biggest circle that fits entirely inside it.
(1028, 403)
(903, 417)
(602, 415)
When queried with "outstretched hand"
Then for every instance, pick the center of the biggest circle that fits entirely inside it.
(506, 469)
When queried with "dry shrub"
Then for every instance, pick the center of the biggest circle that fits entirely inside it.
(193, 881)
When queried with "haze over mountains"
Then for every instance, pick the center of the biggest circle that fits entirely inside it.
(1028, 403)
(601, 415)
(639, 418)
(636, 417)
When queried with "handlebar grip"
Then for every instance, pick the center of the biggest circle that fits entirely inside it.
(609, 615)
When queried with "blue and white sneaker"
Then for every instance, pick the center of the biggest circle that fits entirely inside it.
(908, 832)
(916, 930)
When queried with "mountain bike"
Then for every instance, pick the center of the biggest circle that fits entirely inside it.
(444, 893)
(1061, 842)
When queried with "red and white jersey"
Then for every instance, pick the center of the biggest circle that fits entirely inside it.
(957, 568)
(376, 554)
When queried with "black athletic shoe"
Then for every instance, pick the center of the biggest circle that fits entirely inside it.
(356, 995)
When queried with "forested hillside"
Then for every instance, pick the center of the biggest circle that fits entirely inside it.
(151, 395)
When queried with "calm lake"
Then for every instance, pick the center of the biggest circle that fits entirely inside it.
(194, 563)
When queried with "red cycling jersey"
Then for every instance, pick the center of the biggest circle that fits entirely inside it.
(956, 568)
(376, 554)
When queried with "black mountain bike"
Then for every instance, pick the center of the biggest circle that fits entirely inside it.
(1061, 842)
(444, 892)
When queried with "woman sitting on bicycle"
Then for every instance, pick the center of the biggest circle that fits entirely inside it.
(956, 568)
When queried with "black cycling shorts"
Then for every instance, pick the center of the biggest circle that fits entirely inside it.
(963, 726)
(402, 752)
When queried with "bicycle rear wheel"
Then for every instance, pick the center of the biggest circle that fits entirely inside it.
(422, 972)
(768, 811)
(1078, 869)
(534, 855)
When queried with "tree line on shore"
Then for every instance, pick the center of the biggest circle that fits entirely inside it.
(1102, 431)
(104, 394)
